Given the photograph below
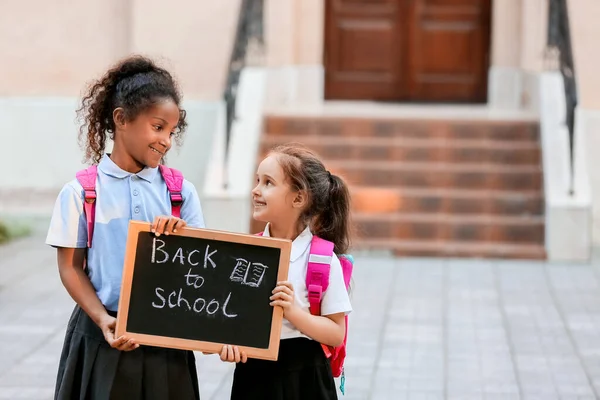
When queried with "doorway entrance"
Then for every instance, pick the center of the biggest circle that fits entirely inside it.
(407, 50)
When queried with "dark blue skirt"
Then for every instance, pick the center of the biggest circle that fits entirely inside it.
(302, 372)
(90, 369)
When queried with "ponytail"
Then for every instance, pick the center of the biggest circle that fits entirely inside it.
(332, 223)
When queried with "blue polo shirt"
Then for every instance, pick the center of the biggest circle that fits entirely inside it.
(121, 197)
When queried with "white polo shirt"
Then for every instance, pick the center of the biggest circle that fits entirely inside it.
(335, 299)
(121, 197)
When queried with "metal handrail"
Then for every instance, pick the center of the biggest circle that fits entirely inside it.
(559, 43)
(249, 31)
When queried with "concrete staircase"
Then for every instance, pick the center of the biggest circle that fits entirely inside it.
(421, 187)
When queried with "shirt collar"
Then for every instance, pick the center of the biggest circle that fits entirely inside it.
(108, 167)
(299, 245)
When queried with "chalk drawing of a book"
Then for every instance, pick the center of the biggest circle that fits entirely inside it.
(240, 270)
(250, 274)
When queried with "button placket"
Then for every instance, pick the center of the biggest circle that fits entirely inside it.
(135, 194)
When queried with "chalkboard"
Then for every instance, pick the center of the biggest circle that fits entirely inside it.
(199, 289)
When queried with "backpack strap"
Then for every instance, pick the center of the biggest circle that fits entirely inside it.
(174, 180)
(317, 273)
(87, 179)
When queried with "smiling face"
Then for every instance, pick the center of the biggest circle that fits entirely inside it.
(273, 198)
(146, 138)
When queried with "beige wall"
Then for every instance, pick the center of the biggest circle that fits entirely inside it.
(583, 19)
(519, 34)
(51, 48)
(506, 33)
(583, 15)
(294, 32)
(196, 35)
(534, 28)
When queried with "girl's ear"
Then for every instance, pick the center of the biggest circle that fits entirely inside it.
(119, 117)
(300, 200)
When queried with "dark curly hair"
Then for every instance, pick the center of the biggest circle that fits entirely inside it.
(134, 84)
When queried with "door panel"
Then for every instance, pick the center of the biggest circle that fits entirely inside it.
(364, 49)
(449, 45)
(407, 50)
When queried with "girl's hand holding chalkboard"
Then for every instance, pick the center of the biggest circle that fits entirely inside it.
(233, 354)
(167, 224)
(108, 326)
(283, 296)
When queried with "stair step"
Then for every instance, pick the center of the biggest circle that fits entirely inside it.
(450, 227)
(405, 128)
(421, 248)
(421, 150)
(377, 200)
(438, 175)
(445, 187)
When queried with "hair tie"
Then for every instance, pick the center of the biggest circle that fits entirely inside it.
(134, 82)
(330, 176)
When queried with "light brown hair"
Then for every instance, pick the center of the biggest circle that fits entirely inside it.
(328, 205)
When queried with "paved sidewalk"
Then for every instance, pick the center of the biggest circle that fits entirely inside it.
(421, 329)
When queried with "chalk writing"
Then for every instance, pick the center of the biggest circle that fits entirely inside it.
(175, 299)
(244, 272)
(161, 256)
(198, 280)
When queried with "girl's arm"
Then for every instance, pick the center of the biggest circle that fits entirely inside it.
(329, 329)
(77, 283)
(191, 210)
(75, 280)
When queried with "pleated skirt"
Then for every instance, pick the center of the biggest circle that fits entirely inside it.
(302, 372)
(90, 369)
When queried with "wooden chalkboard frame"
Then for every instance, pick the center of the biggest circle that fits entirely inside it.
(135, 227)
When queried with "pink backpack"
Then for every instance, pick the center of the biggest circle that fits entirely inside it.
(317, 282)
(87, 178)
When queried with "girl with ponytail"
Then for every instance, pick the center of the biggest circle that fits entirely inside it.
(299, 198)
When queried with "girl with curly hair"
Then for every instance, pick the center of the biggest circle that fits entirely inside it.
(137, 105)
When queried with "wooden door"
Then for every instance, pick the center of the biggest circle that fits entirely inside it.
(449, 46)
(365, 46)
(407, 50)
